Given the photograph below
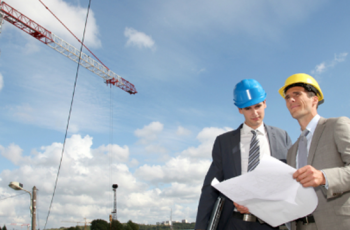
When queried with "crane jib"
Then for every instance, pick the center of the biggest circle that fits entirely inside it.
(32, 28)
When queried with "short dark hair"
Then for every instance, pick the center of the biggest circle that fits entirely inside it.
(311, 90)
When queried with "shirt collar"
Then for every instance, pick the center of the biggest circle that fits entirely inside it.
(313, 123)
(247, 130)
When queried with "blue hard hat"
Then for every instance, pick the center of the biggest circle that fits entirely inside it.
(248, 92)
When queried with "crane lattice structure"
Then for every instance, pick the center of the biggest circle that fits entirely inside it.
(32, 28)
(171, 219)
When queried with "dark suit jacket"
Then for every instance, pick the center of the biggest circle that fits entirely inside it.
(330, 152)
(227, 164)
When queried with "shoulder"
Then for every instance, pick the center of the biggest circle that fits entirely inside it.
(230, 134)
(335, 121)
(274, 129)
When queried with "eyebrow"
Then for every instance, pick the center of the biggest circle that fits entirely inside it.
(295, 92)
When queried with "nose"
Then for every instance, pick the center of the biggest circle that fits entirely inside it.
(290, 99)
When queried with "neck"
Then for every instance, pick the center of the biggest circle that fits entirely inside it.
(255, 127)
(304, 121)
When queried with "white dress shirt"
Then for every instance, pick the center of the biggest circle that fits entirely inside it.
(246, 137)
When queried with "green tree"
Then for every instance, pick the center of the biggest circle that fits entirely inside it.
(73, 228)
(116, 225)
(127, 227)
(4, 228)
(99, 225)
(132, 225)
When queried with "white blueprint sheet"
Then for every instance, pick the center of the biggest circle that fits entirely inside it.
(270, 192)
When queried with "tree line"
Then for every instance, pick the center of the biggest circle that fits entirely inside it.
(100, 224)
(167, 227)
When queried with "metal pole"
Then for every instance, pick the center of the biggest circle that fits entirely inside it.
(34, 208)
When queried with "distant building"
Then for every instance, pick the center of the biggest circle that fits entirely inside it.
(184, 221)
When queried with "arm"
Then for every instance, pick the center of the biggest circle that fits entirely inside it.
(338, 178)
(338, 157)
(209, 193)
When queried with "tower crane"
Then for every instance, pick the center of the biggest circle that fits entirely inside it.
(32, 28)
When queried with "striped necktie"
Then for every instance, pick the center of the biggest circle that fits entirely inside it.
(254, 152)
(302, 148)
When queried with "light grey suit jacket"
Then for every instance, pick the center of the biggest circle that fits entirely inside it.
(330, 152)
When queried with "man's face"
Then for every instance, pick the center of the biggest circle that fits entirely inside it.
(298, 102)
(254, 114)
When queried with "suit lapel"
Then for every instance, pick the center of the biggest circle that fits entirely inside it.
(292, 154)
(315, 139)
(272, 141)
(236, 151)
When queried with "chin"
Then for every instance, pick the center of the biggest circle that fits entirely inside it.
(295, 115)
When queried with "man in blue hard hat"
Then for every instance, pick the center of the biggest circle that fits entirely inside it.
(238, 152)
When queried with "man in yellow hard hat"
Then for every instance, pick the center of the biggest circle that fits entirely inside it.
(321, 155)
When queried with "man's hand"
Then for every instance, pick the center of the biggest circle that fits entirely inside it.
(308, 176)
(241, 208)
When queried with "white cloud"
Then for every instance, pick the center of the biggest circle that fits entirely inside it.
(12, 153)
(120, 154)
(138, 39)
(1, 82)
(340, 57)
(181, 131)
(206, 137)
(177, 169)
(150, 132)
(72, 16)
(84, 186)
(320, 68)
(324, 66)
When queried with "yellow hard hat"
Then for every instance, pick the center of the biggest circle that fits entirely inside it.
(302, 78)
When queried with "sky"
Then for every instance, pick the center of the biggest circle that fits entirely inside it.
(184, 58)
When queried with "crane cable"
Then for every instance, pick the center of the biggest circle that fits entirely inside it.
(111, 143)
(70, 111)
(5, 198)
(82, 43)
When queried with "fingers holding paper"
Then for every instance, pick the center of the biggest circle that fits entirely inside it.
(242, 209)
(308, 176)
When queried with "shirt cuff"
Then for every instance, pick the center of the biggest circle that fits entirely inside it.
(326, 184)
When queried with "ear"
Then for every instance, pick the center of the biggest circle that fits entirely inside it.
(315, 101)
(265, 103)
(240, 111)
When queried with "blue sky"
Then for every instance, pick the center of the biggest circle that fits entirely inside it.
(184, 58)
